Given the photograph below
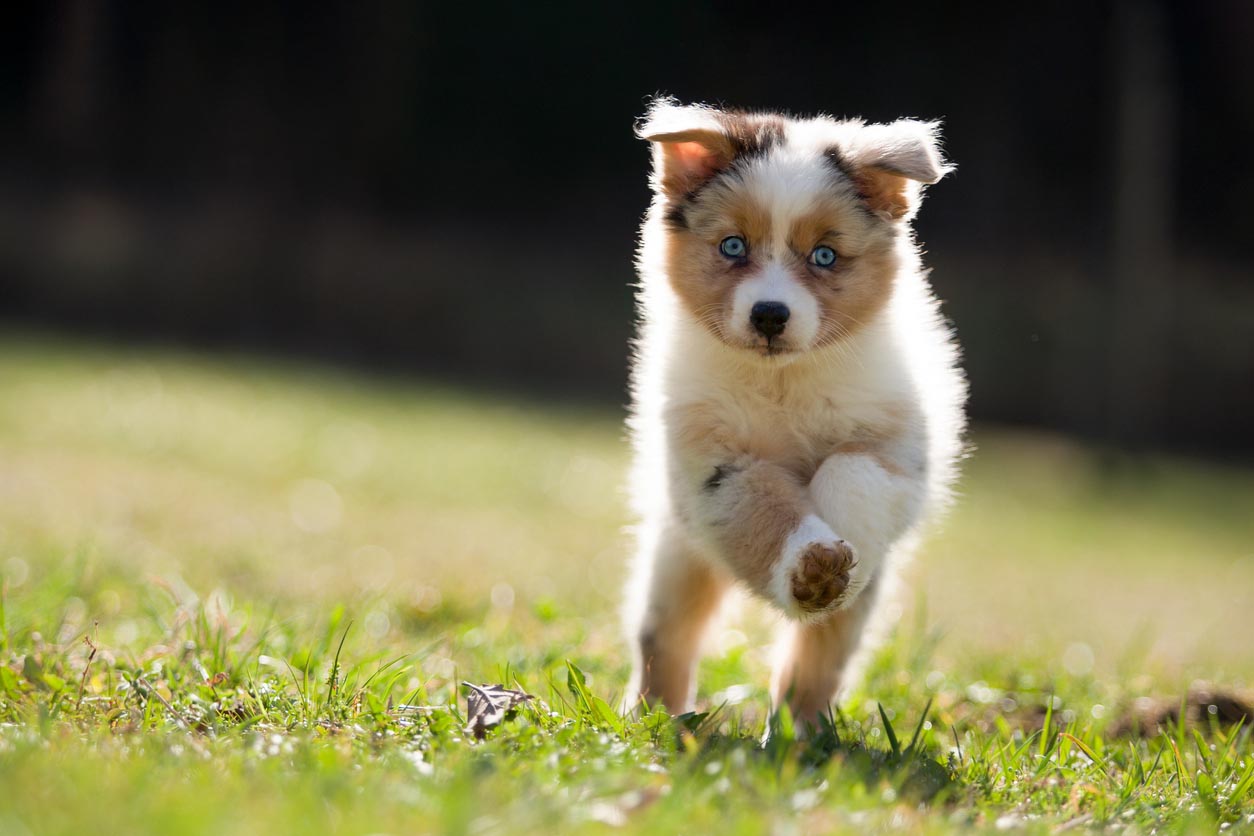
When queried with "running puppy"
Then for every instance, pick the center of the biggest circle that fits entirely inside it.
(797, 402)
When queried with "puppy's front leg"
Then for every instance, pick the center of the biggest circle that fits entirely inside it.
(763, 524)
(871, 496)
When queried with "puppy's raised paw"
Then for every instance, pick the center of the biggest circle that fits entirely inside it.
(821, 575)
(814, 571)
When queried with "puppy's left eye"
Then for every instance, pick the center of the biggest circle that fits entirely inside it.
(823, 256)
(733, 247)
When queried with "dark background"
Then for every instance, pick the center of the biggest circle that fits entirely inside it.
(453, 189)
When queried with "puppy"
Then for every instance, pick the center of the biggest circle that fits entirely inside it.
(797, 404)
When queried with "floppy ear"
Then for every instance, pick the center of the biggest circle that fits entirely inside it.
(890, 163)
(690, 145)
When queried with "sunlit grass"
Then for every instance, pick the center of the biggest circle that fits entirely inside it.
(213, 529)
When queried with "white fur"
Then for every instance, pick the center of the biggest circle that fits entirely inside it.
(869, 506)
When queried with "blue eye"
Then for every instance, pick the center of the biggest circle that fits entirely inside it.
(823, 256)
(733, 247)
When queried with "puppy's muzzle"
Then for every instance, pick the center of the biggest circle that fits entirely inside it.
(769, 318)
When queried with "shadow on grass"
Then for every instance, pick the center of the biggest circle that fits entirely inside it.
(910, 772)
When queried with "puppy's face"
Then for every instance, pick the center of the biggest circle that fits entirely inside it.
(781, 233)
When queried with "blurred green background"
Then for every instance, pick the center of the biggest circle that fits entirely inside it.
(411, 502)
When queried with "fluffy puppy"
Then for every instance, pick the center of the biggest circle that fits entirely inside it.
(797, 405)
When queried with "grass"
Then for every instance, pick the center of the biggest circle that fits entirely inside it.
(240, 597)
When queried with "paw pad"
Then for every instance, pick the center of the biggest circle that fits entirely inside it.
(822, 575)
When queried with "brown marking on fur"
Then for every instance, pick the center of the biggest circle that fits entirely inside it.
(853, 294)
(671, 638)
(885, 192)
(768, 506)
(835, 157)
(725, 209)
(836, 221)
(744, 216)
(753, 133)
(809, 231)
(704, 279)
(694, 269)
(860, 283)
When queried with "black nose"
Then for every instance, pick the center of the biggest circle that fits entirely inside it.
(769, 318)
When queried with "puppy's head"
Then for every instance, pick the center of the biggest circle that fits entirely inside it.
(781, 233)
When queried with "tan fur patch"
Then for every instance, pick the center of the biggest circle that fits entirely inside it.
(861, 282)
(768, 505)
(815, 228)
(692, 272)
(704, 280)
(885, 192)
(861, 289)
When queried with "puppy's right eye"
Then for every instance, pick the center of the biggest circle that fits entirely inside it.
(733, 246)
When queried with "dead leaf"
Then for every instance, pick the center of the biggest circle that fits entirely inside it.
(487, 705)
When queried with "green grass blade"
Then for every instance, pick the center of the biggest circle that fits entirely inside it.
(918, 729)
(888, 730)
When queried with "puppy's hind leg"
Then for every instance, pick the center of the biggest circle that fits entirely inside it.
(680, 594)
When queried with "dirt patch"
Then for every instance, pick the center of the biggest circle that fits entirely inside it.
(1202, 706)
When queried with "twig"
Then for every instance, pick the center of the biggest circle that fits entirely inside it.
(178, 718)
(82, 683)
